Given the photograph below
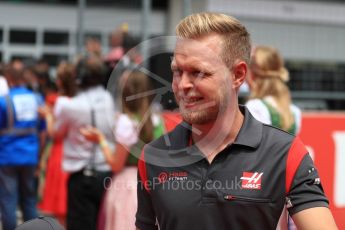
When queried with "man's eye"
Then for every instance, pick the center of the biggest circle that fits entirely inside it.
(199, 74)
(176, 73)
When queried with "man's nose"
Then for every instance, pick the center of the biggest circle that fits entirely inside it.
(186, 82)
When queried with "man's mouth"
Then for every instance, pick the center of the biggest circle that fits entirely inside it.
(191, 102)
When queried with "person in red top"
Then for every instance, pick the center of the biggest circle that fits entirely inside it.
(54, 194)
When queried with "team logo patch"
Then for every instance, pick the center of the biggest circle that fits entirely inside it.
(251, 180)
(162, 177)
(172, 176)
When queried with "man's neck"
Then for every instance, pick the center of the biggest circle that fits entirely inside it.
(213, 137)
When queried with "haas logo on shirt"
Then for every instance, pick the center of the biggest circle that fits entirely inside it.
(251, 180)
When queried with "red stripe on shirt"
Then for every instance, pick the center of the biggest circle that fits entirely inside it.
(143, 171)
(295, 156)
(190, 142)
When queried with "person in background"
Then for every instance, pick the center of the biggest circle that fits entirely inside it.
(270, 100)
(93, 47)
(17, 64)
(41, 223)
(136, 126)
(54, 194)
(116, 42)
(42, 65)
(116, 57)
(20, 127)
(47, 86)
(92, 105)
(38, 80)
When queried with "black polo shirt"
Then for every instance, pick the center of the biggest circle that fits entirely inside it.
(246, 186)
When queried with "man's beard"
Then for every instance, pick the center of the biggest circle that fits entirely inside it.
(208, 111)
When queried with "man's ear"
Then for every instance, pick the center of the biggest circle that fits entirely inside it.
(239, 70)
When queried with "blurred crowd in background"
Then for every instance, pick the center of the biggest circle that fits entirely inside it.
(38, 102)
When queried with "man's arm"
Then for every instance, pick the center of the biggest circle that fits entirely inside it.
(145, 217)
(317, 218)
(306, 200)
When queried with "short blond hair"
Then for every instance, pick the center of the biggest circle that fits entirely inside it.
(236, 39)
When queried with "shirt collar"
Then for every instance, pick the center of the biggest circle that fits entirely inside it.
(249, 135)
(251, 131)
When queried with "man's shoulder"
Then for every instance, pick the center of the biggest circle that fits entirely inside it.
(171, 149)
(172, 142)
(274, 135)
(172, 139)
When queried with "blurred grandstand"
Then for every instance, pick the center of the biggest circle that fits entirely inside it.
(309, 33)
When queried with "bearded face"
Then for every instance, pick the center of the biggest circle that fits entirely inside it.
(201, 80)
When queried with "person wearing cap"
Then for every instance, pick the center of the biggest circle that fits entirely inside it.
(220, 168)
(40, 223)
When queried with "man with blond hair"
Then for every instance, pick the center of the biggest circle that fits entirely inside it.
(220, 168)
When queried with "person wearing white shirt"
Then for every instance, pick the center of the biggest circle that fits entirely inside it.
(3, 86)
(88, 169)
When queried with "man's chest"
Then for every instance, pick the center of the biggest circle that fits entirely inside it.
(226, 183)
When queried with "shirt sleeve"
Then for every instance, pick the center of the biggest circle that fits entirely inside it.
(61, 120)
(145, 217)
(259, 111)
(60, 102)
(306, 189)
